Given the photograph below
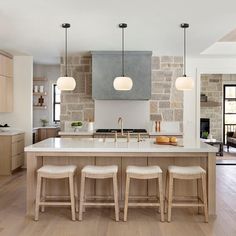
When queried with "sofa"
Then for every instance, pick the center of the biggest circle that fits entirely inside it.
(231, 139)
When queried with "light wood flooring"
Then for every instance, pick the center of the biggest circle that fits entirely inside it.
(141, 222)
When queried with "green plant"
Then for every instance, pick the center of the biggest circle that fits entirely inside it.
(76, 124)
(44, 122)
(205, 134)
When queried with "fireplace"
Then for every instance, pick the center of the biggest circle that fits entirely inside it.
(204, 126)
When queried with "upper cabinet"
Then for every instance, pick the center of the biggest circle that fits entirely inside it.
(6, 83)
(107, 65)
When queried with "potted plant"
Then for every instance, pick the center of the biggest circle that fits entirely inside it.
(204, 134)
(76, 125)
(44, 122)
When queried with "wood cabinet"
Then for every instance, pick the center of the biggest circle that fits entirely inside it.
(6, 83)
(44, 133)
(11, 153)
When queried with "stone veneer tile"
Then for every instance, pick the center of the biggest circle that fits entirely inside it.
(155, 63)
(157, 117)
(153, 107)
(166, 103)
(77, 115)
(167, 59)
(74, 107)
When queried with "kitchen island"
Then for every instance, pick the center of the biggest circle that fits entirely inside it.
(91, 151)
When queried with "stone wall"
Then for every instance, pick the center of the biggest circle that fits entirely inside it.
(212, 87)
(78, 104)
(166, 103)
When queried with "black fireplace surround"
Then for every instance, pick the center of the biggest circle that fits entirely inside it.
(204, 126)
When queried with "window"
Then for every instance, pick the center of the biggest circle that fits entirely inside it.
(56, 103)
(229, 116)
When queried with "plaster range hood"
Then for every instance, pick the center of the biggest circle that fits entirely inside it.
(106, 66)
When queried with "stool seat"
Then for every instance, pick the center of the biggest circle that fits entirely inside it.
(52, 169)
(100, 169)
(143, 170)
(186, 170)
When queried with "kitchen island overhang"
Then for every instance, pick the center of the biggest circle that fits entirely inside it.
(90, 151)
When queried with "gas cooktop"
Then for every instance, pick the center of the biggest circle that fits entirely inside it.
(119, 130)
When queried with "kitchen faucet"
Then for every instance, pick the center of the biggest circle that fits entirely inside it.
(120, 121)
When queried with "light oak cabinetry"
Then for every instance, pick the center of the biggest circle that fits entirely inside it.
(44, 133)
(6, 83)
(11, 153)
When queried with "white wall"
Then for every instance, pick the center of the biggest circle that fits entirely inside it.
(135, 114)
(21, 117)
(51, 72)
(196, 67)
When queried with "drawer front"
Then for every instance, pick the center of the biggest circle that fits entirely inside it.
(18, 147)
(17, 161)
(17, 137)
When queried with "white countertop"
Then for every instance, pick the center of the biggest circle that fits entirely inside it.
(46, 127)
(11, 132)
(72, 133)
(98, 145)
(166, 133)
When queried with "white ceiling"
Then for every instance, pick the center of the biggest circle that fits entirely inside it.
(33, 27)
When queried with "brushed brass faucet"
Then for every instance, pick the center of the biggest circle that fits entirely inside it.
(120, 121)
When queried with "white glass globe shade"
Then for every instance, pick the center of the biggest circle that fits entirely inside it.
(123, 83)
(184, 83)
(66, 83)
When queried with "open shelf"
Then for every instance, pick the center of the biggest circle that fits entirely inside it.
(40, 107)
(40, 79)
(40, 94)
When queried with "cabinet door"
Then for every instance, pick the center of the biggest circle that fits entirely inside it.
(9, 94)
(6, 94)
(6, 66)
(51, 133)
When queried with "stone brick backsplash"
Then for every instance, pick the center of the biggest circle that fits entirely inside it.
(166, 102)
(78, 104)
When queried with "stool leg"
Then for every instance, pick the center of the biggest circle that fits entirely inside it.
(43, 193)
(81, 196)
(72, 196)
(170, 195)
(166, 192)
(38, 193)
(198, 195)
(204, 193)
(161, 197)
(115, 188)
(76, 193)
(126, 197)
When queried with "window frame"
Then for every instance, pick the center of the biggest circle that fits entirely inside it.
(226, 113)
(54, 104)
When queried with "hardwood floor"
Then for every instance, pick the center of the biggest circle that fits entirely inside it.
(101, 222)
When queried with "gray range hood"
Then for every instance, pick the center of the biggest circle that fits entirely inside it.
(106, 65)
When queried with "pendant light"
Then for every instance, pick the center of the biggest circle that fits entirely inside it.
(123, 83)
(184, 83)
(65, 82)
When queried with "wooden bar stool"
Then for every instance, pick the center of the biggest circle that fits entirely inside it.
(99, 172)
(144, 172)
(191, 173)
(56, 172)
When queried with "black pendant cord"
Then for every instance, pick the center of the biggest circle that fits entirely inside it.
(184, 52)
(66, 74)
(123, 56)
